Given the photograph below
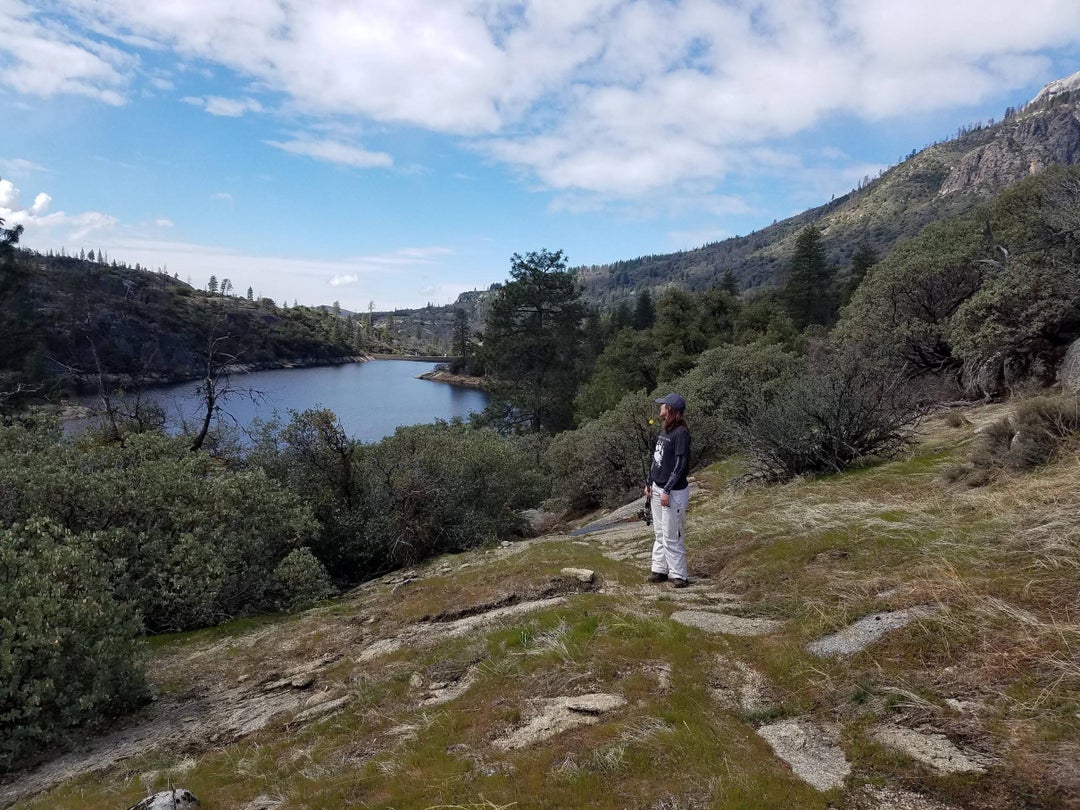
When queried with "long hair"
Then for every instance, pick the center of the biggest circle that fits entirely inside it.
(675, 418)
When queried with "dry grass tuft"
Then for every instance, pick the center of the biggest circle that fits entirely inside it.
(1037, 431)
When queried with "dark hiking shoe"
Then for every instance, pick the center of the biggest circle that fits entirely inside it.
(679, 583)
(655, 578)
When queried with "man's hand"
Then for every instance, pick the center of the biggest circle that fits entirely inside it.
(665, 500)
(648, 491)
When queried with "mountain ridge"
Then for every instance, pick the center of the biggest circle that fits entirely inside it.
(944, 179)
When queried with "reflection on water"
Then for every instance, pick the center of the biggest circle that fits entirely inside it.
(371, 399)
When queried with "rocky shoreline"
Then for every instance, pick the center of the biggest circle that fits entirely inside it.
(453, 379)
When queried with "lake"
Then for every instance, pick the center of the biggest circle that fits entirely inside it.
(371, 399)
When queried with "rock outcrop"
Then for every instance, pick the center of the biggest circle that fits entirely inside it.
(1034, 141)
(1069, 371)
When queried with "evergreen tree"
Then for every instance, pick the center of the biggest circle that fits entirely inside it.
(250, 294)
(15, 309)
(644, 311)
(865, 257)
(533, 340)
(678, 333)
(621, 318)
(461, 333)
(212, 285)
(729, 283)
(809, 294)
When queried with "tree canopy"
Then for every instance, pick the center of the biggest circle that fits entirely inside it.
(533, 340)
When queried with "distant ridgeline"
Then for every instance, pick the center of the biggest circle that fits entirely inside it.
(943, 180)
(70, 319)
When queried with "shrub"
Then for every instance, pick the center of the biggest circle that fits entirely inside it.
(834, 412)
(68, 656)
(431, 489)
(193, 542)
(605, 461)
(300, 580)
(314, 458)
(725, 379)
(989, 298)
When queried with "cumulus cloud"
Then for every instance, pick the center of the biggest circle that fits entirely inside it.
(621, 98)
(331, 151)
(39, 223)
(9, 195)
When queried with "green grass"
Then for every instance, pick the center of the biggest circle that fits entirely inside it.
(1001, 564)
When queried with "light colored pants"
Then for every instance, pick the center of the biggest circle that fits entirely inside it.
(669, 551)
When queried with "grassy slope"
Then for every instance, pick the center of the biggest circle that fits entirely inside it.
(1001, 562)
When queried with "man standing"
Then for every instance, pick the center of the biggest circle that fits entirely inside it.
(667, 486)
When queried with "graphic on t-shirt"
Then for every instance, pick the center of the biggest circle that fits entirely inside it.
(658, 454)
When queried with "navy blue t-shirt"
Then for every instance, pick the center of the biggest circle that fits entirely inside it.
(671, 459)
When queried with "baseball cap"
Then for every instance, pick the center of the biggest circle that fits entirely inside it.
(673, 401)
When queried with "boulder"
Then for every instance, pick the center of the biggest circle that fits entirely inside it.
(179, 799)
(583, 575)
(1069, 370)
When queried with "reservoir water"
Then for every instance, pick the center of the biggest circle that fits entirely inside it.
(371, 399)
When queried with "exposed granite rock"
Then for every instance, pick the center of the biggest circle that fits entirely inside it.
(1023, 147)
(811, 752)
(865, 631)
(1069, 371)
(556, 715)
(583, 575)
(179, 799)
(723, 623)
(931, 748)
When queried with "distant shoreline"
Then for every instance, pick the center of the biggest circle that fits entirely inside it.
(89, 384)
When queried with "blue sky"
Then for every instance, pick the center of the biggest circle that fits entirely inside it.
(399, 151)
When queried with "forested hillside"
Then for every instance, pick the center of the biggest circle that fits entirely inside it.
(945, 179)
(70, 320)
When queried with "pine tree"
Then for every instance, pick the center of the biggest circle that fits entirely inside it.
(644, 311)
(212, 285)
(809, 294)
(461, 333)
(250, 294)
(533, 340)
(729, 283)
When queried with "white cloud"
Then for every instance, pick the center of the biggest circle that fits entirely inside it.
(387, 278)
(225, 107)
(40, 224)
(614, 98)
(43, 58)
(331, 151)
(9, 195)
(223, 195)
(163, 222)
(20, 167)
